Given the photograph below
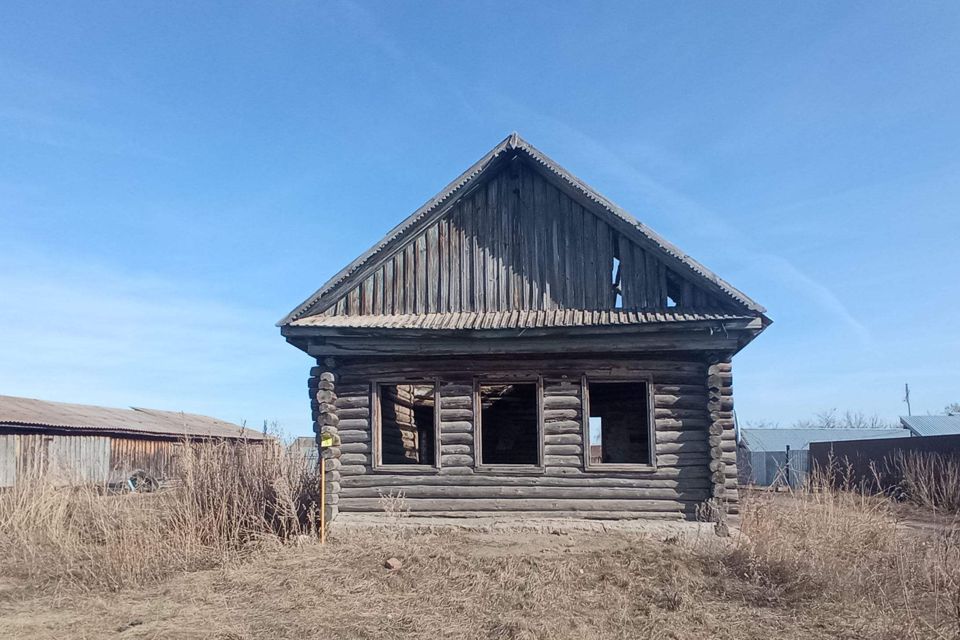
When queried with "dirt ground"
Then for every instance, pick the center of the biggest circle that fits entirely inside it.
(545, 582)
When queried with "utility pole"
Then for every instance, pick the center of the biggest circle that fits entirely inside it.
(906, 397)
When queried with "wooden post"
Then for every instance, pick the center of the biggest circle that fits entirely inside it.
(323, 499)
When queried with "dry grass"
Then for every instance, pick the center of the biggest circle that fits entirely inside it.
(208, 560)
(849, 548)
(929, 480)
(227, 500)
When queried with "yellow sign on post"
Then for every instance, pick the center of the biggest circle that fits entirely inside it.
(326, 440)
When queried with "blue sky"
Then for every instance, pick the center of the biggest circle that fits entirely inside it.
(175, 177)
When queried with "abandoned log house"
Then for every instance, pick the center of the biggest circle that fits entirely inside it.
(521, 345)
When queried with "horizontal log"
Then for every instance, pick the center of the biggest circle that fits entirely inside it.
(560, 402)
(361, 413)
(452, 389)
(354, 469)
(581, 493)
(678, 413)
(583, 480)
(689, 446)
(456, 449)
(354, 458)
(532, 365)
(563, 461)
(455, 471)
(456, 438)
(563, 450)
(355, 447)
(354, 423)
(353, 389)
(454, 415)
(680, 436)
(666, 424)
(353, 402)
(566, 426)
(456, 461)
(686, 401)
(354, 435)
(455, 427)
(456, 402)
(562, 438)
(680, 516)
(554, 415)
(517, 504)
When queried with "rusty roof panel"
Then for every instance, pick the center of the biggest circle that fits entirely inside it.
(28, 412)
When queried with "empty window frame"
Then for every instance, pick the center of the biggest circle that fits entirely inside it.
(508, 424)
(619, 425)
(406, 424)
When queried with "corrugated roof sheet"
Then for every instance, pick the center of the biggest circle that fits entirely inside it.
(799, 439)
(932, 425)
(514, 142)
(511, 319)
(27, 412)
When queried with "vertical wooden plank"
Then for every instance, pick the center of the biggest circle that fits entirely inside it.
(478, 288)
(454, 279)
(503, 239)
(686, 296)
(443, 243)
(353, 301)
(591, 295)
(399, 300)
(653, 284)
(604, 266)
(526, 205)
(567, 248)
(579, 265)
(341, 307)
(410, 278)
(627, 273)
(433, 267)
(550, 248)
(537, 248)
(377, 307)
(468, 264)
(421, 268)
(366, 296)
(490, 241)
(388, 286)
(516, 230)
(662, 284)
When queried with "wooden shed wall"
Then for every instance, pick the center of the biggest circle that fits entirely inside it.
(517, 242)
(682, 480)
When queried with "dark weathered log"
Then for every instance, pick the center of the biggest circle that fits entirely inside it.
(456, 427)
(518, 504)
(562, 438)
(456, 461)
(456, 449)
(582, 480)
(563, 450)
(556, 492)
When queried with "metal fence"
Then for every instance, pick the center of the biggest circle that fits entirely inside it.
(769, 468)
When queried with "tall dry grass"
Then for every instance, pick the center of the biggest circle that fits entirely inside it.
(848, 547)
(226, 499)
(929, 479)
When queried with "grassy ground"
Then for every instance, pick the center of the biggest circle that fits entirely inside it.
(231, 553)
(506, 585)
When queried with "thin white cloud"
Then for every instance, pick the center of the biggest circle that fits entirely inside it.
(74, 332)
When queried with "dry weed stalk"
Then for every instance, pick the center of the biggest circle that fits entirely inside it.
(225, 498)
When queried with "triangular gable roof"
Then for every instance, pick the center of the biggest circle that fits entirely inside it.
(602, 207)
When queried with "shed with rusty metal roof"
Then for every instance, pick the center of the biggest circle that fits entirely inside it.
(77, 443)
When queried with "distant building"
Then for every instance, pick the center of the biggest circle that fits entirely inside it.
(307, 447)
(76, 443)
(948, 425)
(763, 457)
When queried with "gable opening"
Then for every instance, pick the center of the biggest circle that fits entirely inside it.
(615, 282)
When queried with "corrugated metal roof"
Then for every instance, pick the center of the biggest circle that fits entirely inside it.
(514, 142)
(511, 319)
(27, 412)
(800, 439)
(932, 425)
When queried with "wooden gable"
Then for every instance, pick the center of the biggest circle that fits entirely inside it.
(511, 237)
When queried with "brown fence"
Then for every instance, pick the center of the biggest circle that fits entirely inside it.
(867, 461)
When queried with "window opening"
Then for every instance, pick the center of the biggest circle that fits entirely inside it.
(509, 432)
(619, 423)
(407, 424)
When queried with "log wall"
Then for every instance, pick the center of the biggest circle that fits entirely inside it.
(687, 411)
